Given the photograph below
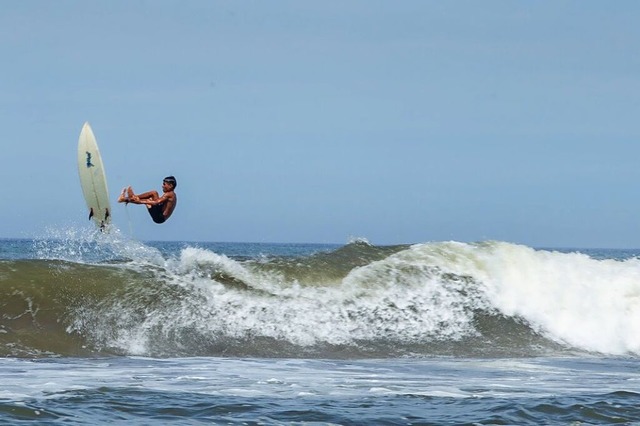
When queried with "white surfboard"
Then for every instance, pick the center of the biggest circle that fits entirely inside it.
(93, 179)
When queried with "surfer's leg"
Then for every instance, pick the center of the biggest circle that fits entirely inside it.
(150, 195)
(135, 199)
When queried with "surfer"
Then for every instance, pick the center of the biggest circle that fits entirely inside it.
(160, 207)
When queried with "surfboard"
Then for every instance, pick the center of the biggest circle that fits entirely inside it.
(93, 179)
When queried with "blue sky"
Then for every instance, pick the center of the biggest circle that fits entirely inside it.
(289, 121)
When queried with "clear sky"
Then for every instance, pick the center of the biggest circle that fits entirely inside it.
(299, 121)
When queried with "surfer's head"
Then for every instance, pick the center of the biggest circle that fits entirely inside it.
(171, 181)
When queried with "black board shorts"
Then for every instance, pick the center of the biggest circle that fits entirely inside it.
(156, 213)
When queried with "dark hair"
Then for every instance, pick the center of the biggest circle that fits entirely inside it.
(171, 180)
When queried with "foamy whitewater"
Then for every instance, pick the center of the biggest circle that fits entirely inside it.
(93, 321)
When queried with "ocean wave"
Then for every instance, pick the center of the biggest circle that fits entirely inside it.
(360, 300)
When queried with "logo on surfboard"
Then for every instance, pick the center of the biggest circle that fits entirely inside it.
(89, 163)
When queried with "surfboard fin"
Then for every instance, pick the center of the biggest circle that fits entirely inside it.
(90, 213)
(106, 214)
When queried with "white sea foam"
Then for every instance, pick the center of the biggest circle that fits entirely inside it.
(394, 299)
(428, 292)
(572, 298)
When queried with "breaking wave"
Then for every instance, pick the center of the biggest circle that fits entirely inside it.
(359, 300)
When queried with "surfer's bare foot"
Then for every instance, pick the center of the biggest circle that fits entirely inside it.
(123, 198)
(131, 197)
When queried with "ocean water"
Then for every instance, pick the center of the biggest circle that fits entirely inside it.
(101, 328)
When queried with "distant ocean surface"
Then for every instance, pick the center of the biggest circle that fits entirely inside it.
(101, 328)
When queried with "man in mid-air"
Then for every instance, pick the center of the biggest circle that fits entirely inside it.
(159, 207)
